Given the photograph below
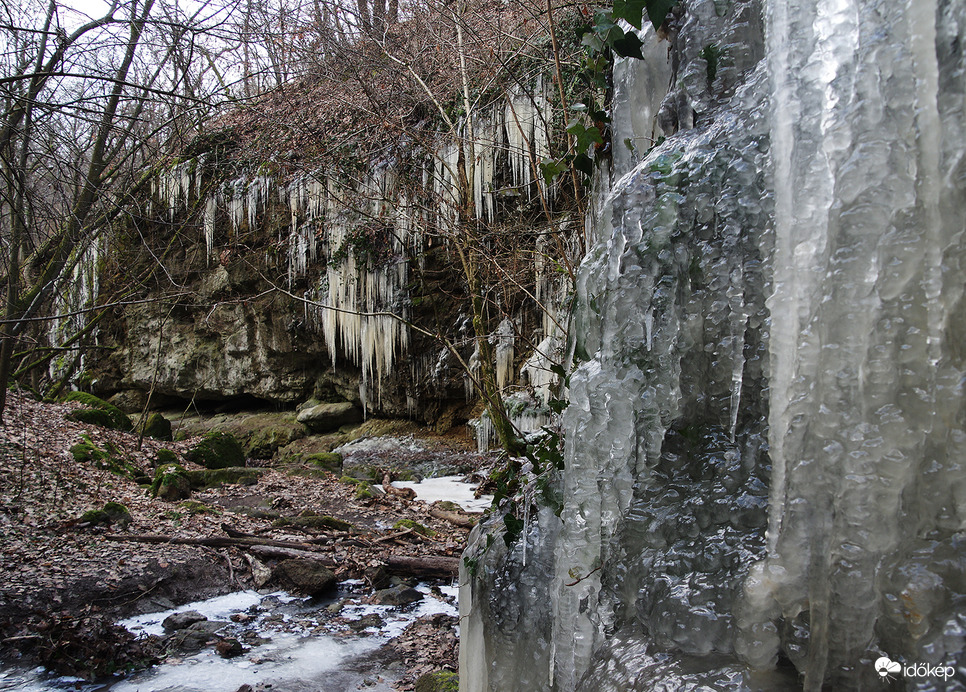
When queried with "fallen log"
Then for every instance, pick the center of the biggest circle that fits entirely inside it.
(276, 553)
(212, 542)
(453, 518)
(431, 566)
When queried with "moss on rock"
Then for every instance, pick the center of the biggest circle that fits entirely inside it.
(415, 526)
(109, 459)
(330, 461)
(112, 513)
(157, 426)
(171, 483)
(165, 456)
(192, 507)
(91, 416)
(217, 450)
(119, 419)
(442, 681)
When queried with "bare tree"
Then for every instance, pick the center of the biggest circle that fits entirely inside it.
(83, 110)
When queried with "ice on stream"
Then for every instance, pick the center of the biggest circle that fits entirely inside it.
(298, 654)
(450, 488)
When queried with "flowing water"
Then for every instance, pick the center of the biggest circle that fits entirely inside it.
(294, 644)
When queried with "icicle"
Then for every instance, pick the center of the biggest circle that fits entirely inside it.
(504, 353)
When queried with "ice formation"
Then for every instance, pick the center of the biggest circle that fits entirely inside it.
(765, 437)
(357, 294)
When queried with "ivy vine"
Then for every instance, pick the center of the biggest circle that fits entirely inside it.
(602, 38)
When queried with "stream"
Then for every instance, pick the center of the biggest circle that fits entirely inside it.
(292, 643)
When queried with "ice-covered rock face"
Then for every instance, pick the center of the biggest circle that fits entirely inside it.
(865, 557)
(765, 438)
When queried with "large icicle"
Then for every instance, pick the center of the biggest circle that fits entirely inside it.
(866, 422)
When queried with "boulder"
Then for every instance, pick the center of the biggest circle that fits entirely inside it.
(157, 426)
(217, 450)
(328, 417)
(309, 577)
(171, 483)
(396, 596)
(119, 419)
(208, 478)
(443, 681)
(182, 620)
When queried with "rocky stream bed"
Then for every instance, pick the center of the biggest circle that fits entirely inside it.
(369, 574)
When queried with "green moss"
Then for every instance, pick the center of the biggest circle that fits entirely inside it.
(442, 681)
(171, 483)
(208, 478)
(119, 419)
(364, 489)
(91, 416)
(330, 461)
(192, 507)
(415, 526)
(108, 460)
(112, 513)
(158, 427)
(217, 450)
(315, 522)
(165, 456)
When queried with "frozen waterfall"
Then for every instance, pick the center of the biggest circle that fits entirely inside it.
(868, 494)
(764, 480)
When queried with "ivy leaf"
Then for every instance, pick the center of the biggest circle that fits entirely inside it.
(584, 135)
(629, 46)
(551, 168)
(657, 11)
(632, 11)
(584, 164)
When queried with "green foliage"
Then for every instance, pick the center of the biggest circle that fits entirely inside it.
(712, 55)
(601, 38)
(632, 11)
(119, 419)
(217, 450)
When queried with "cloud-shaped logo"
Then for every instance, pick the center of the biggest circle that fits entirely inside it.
(884, 666)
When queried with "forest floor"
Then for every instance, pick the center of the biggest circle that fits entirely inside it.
(64, 580)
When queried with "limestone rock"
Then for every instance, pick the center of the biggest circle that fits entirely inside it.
(396, 596)
(157, 426)
(309, 577)
(327, 417)
(182, 620)
(217, 450)
(171, 483)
